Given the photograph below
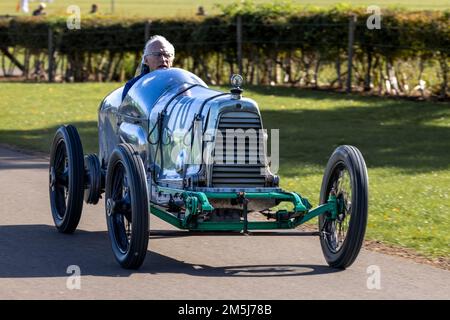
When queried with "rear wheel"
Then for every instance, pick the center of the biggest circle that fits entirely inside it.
(345, 175)
(66, 179)
(127, 213)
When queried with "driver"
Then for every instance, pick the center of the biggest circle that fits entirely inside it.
(158, 54)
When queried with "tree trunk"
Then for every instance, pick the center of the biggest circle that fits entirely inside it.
(195, 65)
(381, 76)
(316, 73)
(3, 65)
(269, 71)
(392, 80)
(218, 68)
(205, 69)
(444, 69)
(63, 67)
(115, 74)
(26, 63)
(367, 78)
(338, 72)
(275, 68)
(306, 64)
(122, 76)
(108, 73)
(12, 58)
(258, 71)
(252, 69)
(77, 66)
(89, 65)
(288, 69)
(230, 62)
(99, 68)
(374, 74)
(246, 68)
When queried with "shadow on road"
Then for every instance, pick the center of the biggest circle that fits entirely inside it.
(23, 166)
(28, 251)
(13, 162)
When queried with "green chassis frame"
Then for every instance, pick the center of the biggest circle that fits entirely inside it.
(197, 203)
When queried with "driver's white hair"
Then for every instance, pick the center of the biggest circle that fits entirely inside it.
(154, 39)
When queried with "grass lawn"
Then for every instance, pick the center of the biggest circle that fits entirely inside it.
(170, 8)
(406, 146)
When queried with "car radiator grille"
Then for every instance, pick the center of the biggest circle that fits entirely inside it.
(239, 156)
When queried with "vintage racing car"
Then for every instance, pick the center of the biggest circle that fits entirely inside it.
(197, 159)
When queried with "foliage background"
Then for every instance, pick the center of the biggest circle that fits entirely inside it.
(281, 44)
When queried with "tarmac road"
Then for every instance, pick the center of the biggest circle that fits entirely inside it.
(34, 257)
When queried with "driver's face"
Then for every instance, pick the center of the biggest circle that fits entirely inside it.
(160, 57)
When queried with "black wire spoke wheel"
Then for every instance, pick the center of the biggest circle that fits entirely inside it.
(335, 230)
(59, 179)
(66, 179)
(346, 177)
(127, 207)
(119, 209)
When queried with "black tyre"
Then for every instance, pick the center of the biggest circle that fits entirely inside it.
(93, 179)
(66, 182)
(346, 174)
(126, 205)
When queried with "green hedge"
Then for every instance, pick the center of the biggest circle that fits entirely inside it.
(402, 33)
(271, 31)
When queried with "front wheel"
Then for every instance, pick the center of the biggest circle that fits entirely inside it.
(126, 205)
(345, 175)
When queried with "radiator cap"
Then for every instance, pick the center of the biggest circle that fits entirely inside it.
(236, 81)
